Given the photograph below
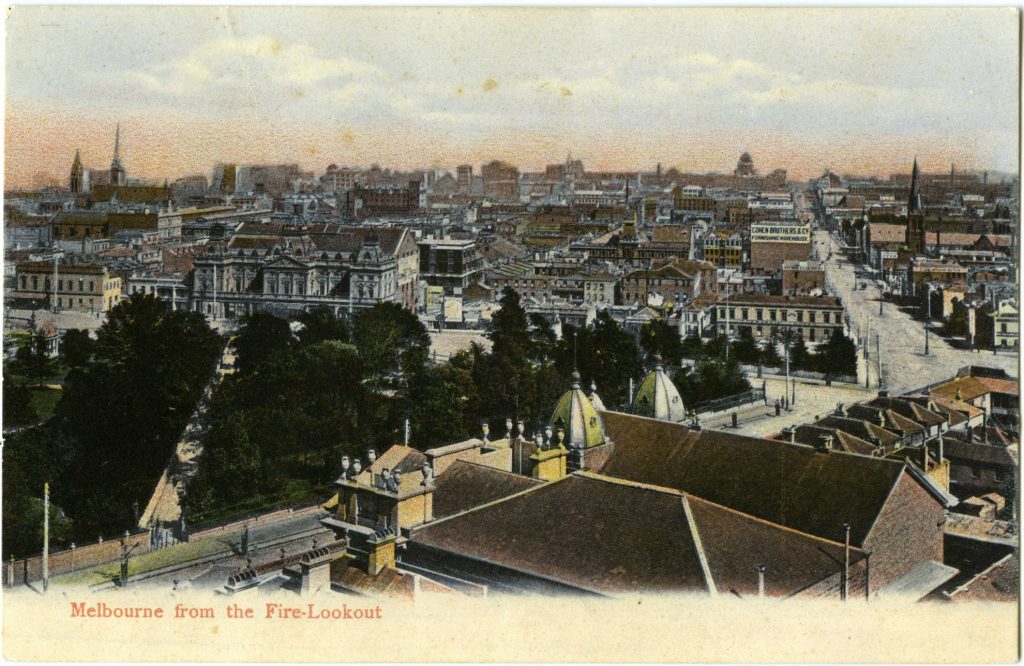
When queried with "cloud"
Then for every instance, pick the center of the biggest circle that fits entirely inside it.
(255, 68)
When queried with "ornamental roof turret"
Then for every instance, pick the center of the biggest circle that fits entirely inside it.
(575, 414)
(658, 397)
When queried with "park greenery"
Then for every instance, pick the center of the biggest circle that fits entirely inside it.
(127, 396)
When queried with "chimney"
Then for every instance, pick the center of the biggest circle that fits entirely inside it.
(881, 418)
(826, 443)
(883, 393)
(396, 481)
(428, 474)
(381, 551)
(385, 478)
(941, 449)
(371, 457)
(760, 580)
(357, 467)
(345, 467)
(789, 434)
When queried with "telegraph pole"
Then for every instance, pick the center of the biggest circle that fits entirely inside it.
(878, 357)
(928, 321)
(46, 536)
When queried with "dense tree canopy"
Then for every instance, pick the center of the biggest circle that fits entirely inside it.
(122, 412)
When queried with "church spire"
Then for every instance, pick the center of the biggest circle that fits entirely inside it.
(117, 173)
(915, 204)
(75, 182)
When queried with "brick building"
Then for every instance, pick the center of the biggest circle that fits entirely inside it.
(772, 243)
(362, 202)
(802, 277)
(813, 317)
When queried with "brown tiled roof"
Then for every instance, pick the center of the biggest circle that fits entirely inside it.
(465, 485)
(788, 484)
(130, 193)
(969, 387)
(592, 534)
(997, 385)
(348, 575)
(887, 233)
(952, 411)
(952, 238)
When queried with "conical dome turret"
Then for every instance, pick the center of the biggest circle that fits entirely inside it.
(575, 415)
(595, 399)
(658, 397)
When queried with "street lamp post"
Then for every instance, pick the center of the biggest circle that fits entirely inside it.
(928, 321)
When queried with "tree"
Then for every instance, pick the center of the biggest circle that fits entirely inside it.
(320, 324)
(799, 357)
(392, 343)
(260, 336)
(608, 355)
(76, 348)
(955, 325)
(17, 400)
(659, 337)
(770, 353)
(745, 349)
(836, 356)
(32, 358)
(692, 346)
(710, 379)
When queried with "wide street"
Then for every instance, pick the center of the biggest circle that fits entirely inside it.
(901, 338)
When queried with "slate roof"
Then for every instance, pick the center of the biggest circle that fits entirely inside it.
(583, 532)
(999, 582)
(812, 435)
(734, 544)
(859, 428)
(465, 485)
(989, 454)
(791, 485)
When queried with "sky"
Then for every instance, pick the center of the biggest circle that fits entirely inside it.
(854, 90)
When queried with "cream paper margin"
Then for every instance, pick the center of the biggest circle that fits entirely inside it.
(514, 629)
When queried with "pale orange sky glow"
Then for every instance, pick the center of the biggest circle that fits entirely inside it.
(858, 91)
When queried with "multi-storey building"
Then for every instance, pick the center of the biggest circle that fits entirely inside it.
(772, 243)
(341, 268)
(448, 262)
(362, 202)
(723, 249)
(82, 287)
(678, 280)
(813, 317)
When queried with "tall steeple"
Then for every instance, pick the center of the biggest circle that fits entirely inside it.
(117, 173)
(915, 204)
(75, 182)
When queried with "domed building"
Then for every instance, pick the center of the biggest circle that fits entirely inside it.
(745, 167)
(576, 417)
(658, 396)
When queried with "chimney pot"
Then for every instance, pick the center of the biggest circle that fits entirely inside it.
(371, 455)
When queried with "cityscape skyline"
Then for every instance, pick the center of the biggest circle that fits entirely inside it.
(254, 88)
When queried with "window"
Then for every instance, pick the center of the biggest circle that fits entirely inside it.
(975, 472)
(760, 314)
(813, 316)
(35, 282)
(23, 281)
(92, 285)
(800, 315)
